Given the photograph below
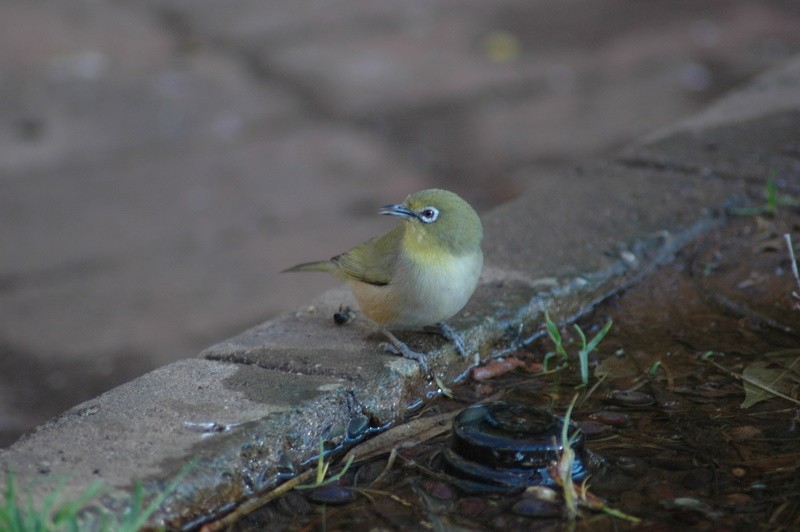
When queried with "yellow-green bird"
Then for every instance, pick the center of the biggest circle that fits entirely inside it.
(418, 274)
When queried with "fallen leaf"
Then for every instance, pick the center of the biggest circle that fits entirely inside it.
(495, 368)
(534, 367)
(617, 367)
(484, 389)
(774, 374)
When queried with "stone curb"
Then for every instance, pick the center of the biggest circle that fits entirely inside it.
(252, 410)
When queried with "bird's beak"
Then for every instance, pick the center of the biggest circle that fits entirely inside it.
(397, 210)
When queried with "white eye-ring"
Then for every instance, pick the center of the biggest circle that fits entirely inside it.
(428, 214)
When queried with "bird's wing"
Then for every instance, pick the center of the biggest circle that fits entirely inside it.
(373, 261)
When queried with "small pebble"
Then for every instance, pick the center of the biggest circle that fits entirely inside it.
(746, 432)
(439, 490)
(531, 507)
(626, 398)
(595, 429)
(332, 494)
(367, 473)
(542, 493)
(630, 465)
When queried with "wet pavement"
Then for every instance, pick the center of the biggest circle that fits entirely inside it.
(667, 439)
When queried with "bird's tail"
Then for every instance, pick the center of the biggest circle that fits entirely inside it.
(319, 266)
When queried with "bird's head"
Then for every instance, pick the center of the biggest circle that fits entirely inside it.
(439, 219)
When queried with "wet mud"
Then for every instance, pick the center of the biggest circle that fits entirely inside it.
(666, 438)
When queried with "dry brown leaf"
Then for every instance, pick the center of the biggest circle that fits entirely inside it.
(774, 374)
(496, 367)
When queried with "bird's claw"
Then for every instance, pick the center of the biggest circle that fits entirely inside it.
(404, 351)
(390, 348)
(453, 337)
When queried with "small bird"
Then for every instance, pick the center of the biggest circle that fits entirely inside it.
(418, 274)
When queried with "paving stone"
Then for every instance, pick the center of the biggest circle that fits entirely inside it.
(85, 83)
(199, 98)
(212, 411)
(81, 39)
(712, 142)
(308, 342)
(443, 59)
(615, 204)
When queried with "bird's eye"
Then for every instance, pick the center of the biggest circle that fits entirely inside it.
(429, 214)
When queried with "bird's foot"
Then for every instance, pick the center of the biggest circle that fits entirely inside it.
(396, 347)
(450, 335)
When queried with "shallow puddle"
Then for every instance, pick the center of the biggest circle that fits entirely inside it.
(666, 438)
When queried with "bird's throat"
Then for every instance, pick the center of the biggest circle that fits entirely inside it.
(421, 247)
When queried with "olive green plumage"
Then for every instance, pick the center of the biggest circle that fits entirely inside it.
(419, 273)
(372, 262)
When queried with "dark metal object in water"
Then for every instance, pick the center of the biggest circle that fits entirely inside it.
(503, 447)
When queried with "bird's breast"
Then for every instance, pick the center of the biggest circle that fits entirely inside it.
(423, 290)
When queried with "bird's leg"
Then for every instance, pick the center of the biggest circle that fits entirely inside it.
(398, 347)
(450, 335)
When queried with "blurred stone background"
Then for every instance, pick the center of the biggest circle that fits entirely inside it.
(161, 161)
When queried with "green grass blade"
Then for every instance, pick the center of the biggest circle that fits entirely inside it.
(583, 354)
(67, 513)
(599, 336)
(555, 335)
(137, 519)
(9, 514)
(772, 195)
(581, 335)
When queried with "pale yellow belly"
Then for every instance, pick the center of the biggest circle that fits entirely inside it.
(420, 296)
